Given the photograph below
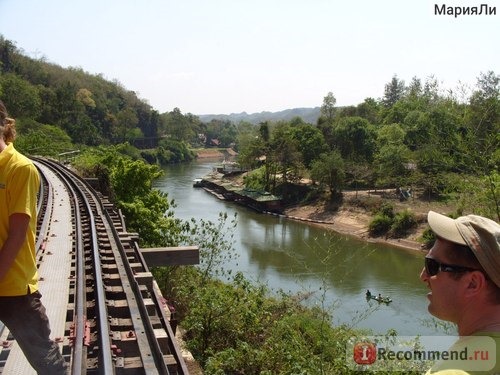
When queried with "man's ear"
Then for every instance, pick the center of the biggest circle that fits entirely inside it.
(475, 283)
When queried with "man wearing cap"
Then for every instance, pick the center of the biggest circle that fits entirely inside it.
(462, 271)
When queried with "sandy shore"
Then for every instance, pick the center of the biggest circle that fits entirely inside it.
(353, 223)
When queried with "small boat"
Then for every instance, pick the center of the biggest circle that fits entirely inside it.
(198, 182)
(379, 298)
(382, 299)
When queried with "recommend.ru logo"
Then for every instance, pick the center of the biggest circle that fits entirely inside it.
(419, 353)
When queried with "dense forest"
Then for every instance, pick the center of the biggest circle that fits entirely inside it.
(442, 144)
(62, 109)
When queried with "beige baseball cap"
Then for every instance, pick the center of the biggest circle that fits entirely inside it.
(481, 234)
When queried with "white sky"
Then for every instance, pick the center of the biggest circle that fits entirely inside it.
(224, 56)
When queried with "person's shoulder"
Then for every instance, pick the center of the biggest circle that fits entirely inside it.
(22, 165)
(22, 160)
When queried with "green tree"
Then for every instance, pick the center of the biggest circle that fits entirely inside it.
(329, 170)
(87, 107)
(171, 151)
(265, 131)
(393, 91)
(393, 156)
(217, 245)
(132, 178)
(354, 137)
(224, 131)
(126, 125)
(84, 96)
(285, 157)
(418, 129)
(369, 110)
(265, 136)
(358, 174)
(399, 110)
(251, 148)
(20, 97)
(415, 88)
(480, 195)
(434, 164)
(34, 138)
(328, 107)
(8, 51)
(431, 90)
(179, 126)
(483, 120)
(310, 142)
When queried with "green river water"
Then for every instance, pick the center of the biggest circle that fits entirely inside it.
(331, 269)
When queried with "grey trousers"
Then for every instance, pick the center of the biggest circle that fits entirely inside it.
(26, 319)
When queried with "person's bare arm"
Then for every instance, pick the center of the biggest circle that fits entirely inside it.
(18, 227)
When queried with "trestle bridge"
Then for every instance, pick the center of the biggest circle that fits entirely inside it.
(105, 309)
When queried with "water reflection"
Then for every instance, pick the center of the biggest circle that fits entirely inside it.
(297, 249)
(296, 257)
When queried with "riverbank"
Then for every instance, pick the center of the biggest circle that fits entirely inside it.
(350, 223)
(215, 153)
(352, 219)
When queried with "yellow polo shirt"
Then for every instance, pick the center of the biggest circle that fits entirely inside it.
(19, 185)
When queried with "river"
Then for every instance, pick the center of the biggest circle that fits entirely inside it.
(332, 270)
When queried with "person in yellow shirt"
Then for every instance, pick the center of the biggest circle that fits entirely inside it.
(462, 271)
(21, 309)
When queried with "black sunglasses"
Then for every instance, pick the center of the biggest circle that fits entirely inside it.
(432, 267)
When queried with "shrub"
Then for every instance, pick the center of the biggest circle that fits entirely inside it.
(255, 179)
(403, 222)
(428, 238)
(387, 209)
(380, 225)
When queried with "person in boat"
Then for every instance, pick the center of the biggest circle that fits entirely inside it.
(462, 271)
(380, 298)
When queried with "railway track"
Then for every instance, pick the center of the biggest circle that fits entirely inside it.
(117, 321)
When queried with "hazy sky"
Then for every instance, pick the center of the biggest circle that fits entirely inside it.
(223, 56)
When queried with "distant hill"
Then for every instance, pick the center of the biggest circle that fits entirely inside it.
(309, 115)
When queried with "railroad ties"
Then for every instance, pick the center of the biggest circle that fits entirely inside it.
(104, 306)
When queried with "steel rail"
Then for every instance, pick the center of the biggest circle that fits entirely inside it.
(80, 321)
(79, 350)
(143, 331)
(44, 210)
(157, 354)
(151, 354)
(106, 363)
(100, 234)
(77, 365)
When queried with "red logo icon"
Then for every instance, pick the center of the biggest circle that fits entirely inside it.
(365, 353)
